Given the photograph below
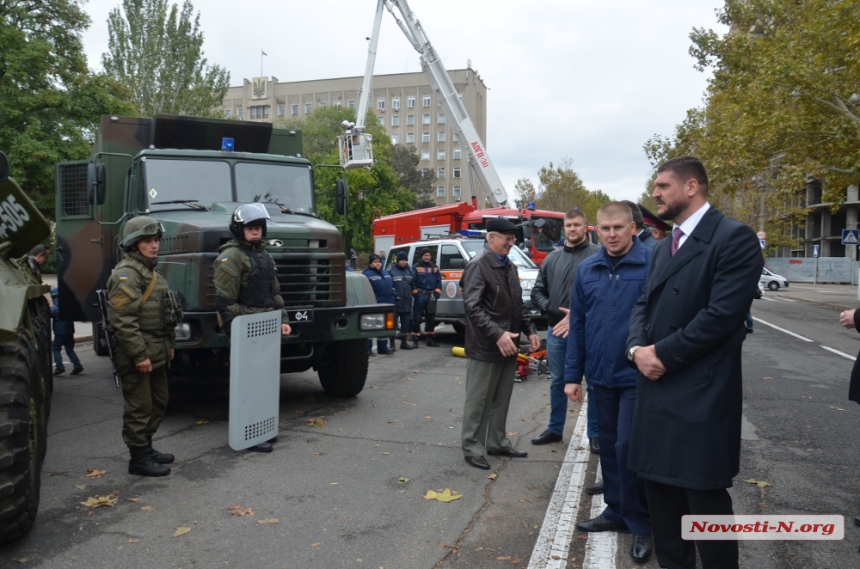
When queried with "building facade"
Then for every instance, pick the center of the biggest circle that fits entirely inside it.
(410, 111)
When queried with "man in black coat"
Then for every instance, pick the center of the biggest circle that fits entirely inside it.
(686, 333)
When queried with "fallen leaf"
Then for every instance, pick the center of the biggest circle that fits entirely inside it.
(765, 377)
(508, 558)
(427, 417)
(445, 496)
(318, 454)
(81, 486)
(99, 501)
(840, 409)
(203, 422)
(147, 508)
(525, 501)
(24, 559)
(403, 480)
(132, 499)
(317, 422)
(181, 531)
(317, 544)
(240, 511)
(409, 378)
(269, 521)
(93, 473)
(133, 540)
(516, 560)
(759, 483)
(332, 483)
(493, 476)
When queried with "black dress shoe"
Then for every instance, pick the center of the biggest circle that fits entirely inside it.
(640, 551)
(546, 437)
(601, 523)
(510, 453)
(478, 462)
(596, 488)
(594, 445)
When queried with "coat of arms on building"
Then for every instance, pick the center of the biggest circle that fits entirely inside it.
(259, 87)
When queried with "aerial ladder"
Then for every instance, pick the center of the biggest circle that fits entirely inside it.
(356, 145)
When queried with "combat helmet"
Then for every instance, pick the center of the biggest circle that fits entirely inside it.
(249, 214)
(140, 228)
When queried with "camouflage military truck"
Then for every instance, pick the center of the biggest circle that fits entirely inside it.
(25, 360)
(190, 174)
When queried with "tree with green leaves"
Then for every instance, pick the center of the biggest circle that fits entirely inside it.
(417, 180)
(50, 102)
(560, 189)
(372, 192)
(156, 49)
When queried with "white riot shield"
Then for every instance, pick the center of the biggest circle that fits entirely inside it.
(255, 367)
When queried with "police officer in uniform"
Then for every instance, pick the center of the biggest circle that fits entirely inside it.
(426, 285)
(383, 289)
(144, 334)
(403, 275)
(246, 280)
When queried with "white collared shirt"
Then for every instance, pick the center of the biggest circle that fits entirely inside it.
(691, 222)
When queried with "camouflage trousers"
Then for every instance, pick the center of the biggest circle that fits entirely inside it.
(145, 405)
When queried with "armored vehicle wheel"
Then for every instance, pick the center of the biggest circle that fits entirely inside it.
(343, 369)
(99, 344)
(40, 317)
(23, 435)
(459, 327)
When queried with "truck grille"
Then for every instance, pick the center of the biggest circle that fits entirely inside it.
(311, 281)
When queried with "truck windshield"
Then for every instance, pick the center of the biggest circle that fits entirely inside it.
(170, 182)
(285, 185)
(547, 236)
(473, 247)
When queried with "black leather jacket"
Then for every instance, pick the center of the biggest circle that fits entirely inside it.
(493, 302)
(555, 279)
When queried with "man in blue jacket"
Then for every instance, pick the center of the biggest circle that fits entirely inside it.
(64, 337)
(427, 285)
(402, 275)
(605, 290)
(383, 288)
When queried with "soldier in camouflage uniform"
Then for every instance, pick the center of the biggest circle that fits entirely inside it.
(144, 343)
(246, 280)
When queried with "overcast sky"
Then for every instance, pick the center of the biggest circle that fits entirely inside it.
(589, 80)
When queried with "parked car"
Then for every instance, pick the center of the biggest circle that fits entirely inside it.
(772, 281)
(452, 255)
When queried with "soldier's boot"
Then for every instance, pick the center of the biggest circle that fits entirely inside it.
(159, 457)
(141, 463)
(414, 341)
(404, 345)
(431, 341)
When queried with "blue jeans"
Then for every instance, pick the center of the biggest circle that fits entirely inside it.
(68, 342)
(556, 348)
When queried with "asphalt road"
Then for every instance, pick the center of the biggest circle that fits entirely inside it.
(337, 491)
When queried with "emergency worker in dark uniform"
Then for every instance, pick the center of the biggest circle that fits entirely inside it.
(427, 284)
(383, 289)
(403, 275)
(145, 333)
(246, 279)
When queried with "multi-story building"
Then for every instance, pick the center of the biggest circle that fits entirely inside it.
(405, 104)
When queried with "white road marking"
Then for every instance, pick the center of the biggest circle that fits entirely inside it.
(769, 299)
(838, 353)
(789, 332)
(553, 543)
(787, 299)
(601, 547)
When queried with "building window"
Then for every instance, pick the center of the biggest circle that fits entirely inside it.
(426, 101)
(380, 105)
(410, 120)
(240, 113)
(440, 154)
(351, 103)
(253, 112)
(308, 108)
(441, 136)
(410, 102)
(425, 118)
(440, 118)
(455, 137)
(425, 154)
(294, 109)
(456, 192)
(456, 171)
(282, 110)
(425, 137)
(395, 138)
(322, 104)
(440, 172)
(395, 103)
(410, 138)
(395, 120)
(440, 191)
(227, 113)
(457, 153)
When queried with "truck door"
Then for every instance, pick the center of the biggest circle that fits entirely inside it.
(451, 263)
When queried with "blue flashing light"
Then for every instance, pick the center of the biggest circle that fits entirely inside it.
(532, 206)
(228, 144)
(471, 233)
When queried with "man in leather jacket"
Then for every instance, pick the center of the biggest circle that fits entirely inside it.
(495, 318)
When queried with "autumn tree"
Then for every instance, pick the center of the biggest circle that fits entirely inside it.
(50, 101)
(156, 49)
(417, 180)
(560, 189)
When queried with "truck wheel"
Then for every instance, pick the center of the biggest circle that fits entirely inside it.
(459, 327)
(99, 345)
(23, 435)
(40, 316)
(343, 368)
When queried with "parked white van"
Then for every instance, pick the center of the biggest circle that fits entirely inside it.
(772, 281)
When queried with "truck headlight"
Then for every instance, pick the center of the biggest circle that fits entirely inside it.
(183, 331)
(527, 284)
(372, 322)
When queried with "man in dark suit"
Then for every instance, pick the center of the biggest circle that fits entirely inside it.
(686, 333)
(642, 232)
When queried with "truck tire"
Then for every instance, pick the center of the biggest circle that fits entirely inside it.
(23, 435)
(99, 344)
(343, 368)
(40, 317)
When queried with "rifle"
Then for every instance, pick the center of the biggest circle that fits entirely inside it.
(107, 337)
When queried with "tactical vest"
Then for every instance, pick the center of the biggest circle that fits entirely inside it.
(259, 292)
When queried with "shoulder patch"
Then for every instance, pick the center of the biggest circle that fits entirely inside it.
(123, 276)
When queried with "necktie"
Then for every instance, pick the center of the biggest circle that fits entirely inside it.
(676, 240)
